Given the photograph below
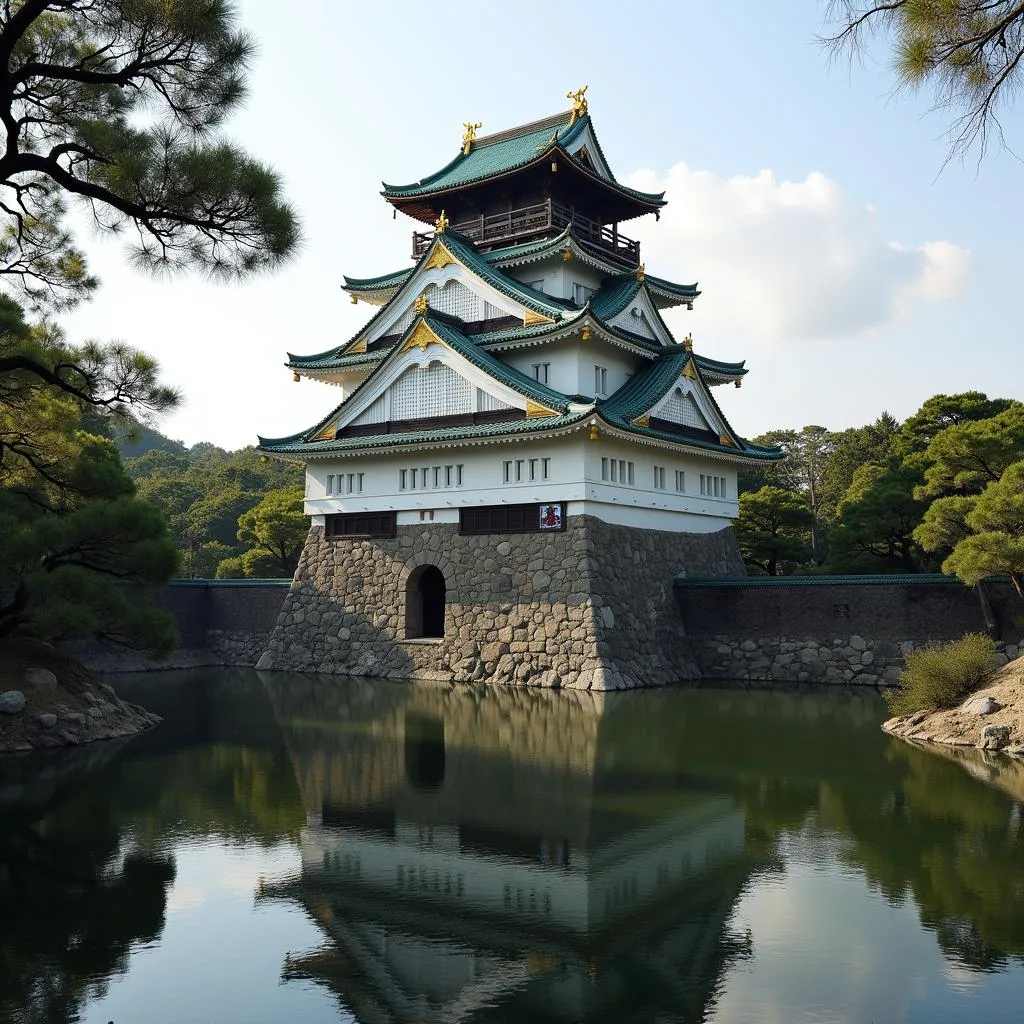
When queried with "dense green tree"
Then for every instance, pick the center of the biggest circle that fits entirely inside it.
(876, 522)
(275, 531)
(851, 449)
(70, 526)
(774, 530)
(967, 457)
(995, 544)
(938, 413)
(121, 105)
(203, 492)
(967, 52)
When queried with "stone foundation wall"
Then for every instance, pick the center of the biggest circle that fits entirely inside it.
(826, 630)
(221, 623)
(588, 608)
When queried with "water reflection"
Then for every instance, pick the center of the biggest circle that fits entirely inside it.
(459, 854)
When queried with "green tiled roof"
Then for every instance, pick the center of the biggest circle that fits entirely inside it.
(373, 284)
(679, 291)
(447, 329)
(495, 368)
(466, 253)
(330, 360)
(875, 580)
(296, 445)
(646, 388)
(507, 152)
(725, 369)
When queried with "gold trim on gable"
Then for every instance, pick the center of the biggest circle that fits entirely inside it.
(690, 371)
(642, 421)
(535, 409)
(358, 349)
(421, 337)
(327, 433)
(722, 439)
(439, 258)
(530, 318)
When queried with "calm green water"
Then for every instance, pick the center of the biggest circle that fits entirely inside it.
(328, 850)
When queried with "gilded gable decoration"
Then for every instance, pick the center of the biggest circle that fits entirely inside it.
(469, 137)
(579, 104)
(439, 258)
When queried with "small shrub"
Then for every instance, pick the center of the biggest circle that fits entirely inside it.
(941, 676)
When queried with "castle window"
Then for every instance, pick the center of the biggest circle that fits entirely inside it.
(403, 479)
(541, 372)
(712, 486)
(506, 476)
(581, 294)
(360, 524)
(512, 519)
(545, 469)
(600, 381)
(618, 471)
(659, 478)
(680, 481)
(330, 484)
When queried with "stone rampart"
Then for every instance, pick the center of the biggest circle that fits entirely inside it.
(221, 622)
(847, 630)
(590, 607)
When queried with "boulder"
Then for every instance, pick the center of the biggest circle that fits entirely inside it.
(47, 720)
(994, 737)
(40, 679)
(12, 702)
(980, 706)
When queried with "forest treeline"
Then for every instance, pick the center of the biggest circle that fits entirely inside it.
(231, 514)
(941, 492)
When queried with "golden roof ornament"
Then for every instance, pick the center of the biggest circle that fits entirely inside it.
(579, 104)
(470, 135)
(688, 343)
(641, 273)
(441, 224)
(421, 305)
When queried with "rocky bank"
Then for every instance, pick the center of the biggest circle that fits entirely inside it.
(49, 700)
(991, 718)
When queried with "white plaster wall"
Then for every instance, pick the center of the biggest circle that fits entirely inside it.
(575, 477)
(558, 275)
(563, 356)
(620, 365)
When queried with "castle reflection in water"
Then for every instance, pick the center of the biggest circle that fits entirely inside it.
(507, 855)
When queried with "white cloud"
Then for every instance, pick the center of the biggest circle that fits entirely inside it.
(789, 260)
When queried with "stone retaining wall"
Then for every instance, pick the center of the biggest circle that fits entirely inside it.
(221, 622)
(589, 608)
(827, 630)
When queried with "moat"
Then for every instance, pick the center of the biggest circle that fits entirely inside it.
(322, 849)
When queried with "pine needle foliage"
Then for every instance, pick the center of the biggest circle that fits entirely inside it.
(967, 53)
(120, 105)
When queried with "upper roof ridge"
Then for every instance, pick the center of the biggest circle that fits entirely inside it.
(552, 121)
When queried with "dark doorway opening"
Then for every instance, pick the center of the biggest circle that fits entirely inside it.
(424, 603)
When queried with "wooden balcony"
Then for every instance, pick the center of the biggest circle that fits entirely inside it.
(498, 230)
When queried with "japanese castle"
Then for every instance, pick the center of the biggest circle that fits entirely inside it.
(517, 376)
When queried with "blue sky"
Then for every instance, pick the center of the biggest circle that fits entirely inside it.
(836, 254)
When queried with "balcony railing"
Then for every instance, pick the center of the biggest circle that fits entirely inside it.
(491, 230)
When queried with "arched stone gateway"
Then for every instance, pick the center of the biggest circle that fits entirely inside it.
(425, 592)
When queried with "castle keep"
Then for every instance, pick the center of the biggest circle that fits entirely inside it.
(523, 457)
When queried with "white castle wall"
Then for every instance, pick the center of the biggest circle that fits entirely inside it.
(574, 475)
